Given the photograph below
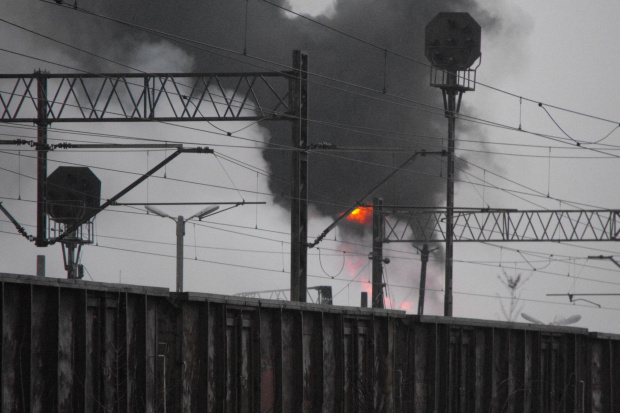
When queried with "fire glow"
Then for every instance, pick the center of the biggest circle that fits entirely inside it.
(361, 215)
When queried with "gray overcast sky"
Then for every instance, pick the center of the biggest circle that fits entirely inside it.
(561, 53)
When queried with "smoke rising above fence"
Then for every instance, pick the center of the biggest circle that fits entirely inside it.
(370, 92)
(347, 105)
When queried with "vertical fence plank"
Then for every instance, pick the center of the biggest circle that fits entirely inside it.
(245, 377)
(331, 360)
(203, 379)
(136, 356)
(71, 351)
(268, 361)
(483, 369)
(16, 348)
(44, 349)
(347, 365)
(423, 367)
(292, 358)
(383, 336)
(312, 363)
(150, 353)
(528, 371)
(596, 395)
(190, 362)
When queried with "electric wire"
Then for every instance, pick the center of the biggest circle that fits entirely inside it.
(289, 148)
(366, 246)
(29, 176)
(353, 280)
(267, 148)
(408, 58)
(494, 297)
(200, 183)
(30, 31)
(192, 42)
(176, 125)
(480, 263)
(344, 256)
(461, 115)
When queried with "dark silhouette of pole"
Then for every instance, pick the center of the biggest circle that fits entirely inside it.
(377, 253)
(299, 182)
(180, 232)
(451, 111)
(180, 235)
(42, 149)
(452, 46)
(71, 257)
(364, 299)
(423, 279)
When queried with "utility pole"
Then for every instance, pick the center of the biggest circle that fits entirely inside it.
(451, 111)
(180, 232)
(87, 98)
(424, 253)
(299, 183)
(180, 221)
(377, 253)
(378, 232)
(452, 45)
(42, 148)
(424, 258)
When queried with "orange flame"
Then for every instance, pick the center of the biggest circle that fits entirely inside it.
(361, 215)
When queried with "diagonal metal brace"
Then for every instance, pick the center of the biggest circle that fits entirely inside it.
(374, 188)
(19, 228)
(115, 198)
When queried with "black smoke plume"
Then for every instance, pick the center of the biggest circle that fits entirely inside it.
(347, 91)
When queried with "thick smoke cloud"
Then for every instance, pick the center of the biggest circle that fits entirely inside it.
(348, 76)
(336, 180)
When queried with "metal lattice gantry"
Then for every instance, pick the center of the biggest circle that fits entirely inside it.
(323, 294)
(43, 98)
(503, 225)
(144, 97)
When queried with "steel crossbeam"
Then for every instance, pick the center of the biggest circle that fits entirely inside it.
(43, 98)
(146, 97)
(509, 226)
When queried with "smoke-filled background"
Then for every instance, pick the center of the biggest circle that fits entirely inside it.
(369, 88)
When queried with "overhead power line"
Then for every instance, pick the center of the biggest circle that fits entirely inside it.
(409, 58)
(393, 285)
(438, 112)
(193, 43)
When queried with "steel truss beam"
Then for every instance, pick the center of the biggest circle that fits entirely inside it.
(510, 226)
(44, 98)
(134, 97)
(283, 295)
